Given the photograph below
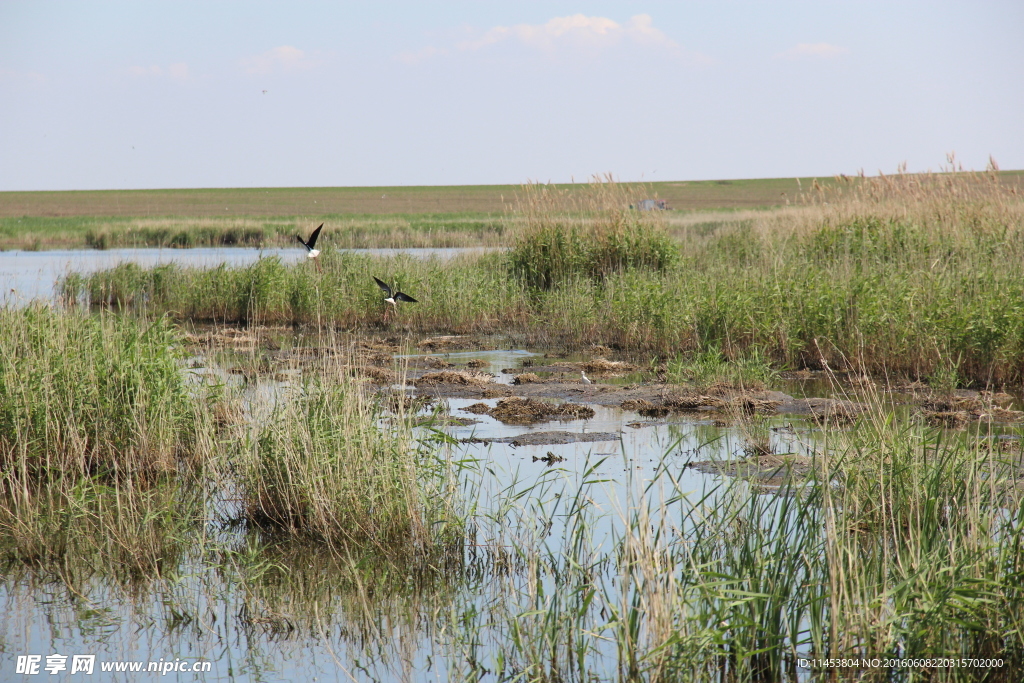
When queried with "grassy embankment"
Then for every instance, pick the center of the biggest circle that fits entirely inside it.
(912, 275)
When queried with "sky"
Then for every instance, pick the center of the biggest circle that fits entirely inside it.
(158, 94)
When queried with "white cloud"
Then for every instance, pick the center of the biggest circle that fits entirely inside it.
(572, 32)
(178, 71)
(812, 50)
(580, 29)
(279, 59)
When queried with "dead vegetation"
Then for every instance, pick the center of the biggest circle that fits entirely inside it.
(957, 411)
(456, 377)
(524, 411)
(601, 366)
(741, 404)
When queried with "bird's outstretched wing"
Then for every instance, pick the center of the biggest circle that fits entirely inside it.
(312, 238)
(385, 287)
(302, 241)
(402, 296)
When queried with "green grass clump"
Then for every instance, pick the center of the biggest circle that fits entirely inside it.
(326, 466)
(897, 542)
(709, 367)
(87, 396)
(73, 531)
(908, 282)
(571, 236)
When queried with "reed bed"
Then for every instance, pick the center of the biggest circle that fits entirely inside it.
(899, 275)
(901, 543)
(328, 465)
(101, 439)
(102, 397)
(437, 230)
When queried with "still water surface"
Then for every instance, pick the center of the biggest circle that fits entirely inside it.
(28, 275)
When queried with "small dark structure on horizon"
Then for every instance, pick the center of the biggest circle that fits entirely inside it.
(649, 205)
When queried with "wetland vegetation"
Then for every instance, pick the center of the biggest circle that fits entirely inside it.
(914, 276)
(274, 493)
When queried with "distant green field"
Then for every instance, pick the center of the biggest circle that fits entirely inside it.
(323, 201)
(443, 216)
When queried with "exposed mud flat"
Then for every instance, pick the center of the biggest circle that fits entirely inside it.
(964, 407)
(454, 342)
(649, 400)
(596, 367)
(462, 378)
(516, 410)
(548, 438)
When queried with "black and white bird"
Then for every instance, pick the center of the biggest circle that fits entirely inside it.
(586, 380)
(393, 297)
(311, 244)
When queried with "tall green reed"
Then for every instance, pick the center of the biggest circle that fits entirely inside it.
(905, 284)
(91, 396)
(329, 465)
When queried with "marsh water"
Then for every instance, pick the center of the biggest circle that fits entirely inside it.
(205, 608)
(27, 275)
(257, 612)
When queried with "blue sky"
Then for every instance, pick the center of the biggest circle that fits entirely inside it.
(97, 95)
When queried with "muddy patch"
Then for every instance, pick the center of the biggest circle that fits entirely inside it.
(516, 410)
(596, 367)
(462, 378)
(450, 421)
(960, 409)
(401, 402)
(554, 438)
(827, 411)
(455, 342)
(739, 404)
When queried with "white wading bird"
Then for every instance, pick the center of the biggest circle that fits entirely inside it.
(311, 245)
(586, 380)
(393, 298)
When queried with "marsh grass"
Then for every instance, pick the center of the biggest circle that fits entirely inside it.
(329, 466)
(411, 230)
(100, 397)
(101, 442)
(897, 275)
(901, 542)
(751, 370)
(566, 235)
(73, 533)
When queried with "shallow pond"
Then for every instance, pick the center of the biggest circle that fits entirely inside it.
(207, 609)
(27, 275)
(255, 611)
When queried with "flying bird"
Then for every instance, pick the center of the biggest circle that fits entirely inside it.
(311, 245)
(393, 297)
